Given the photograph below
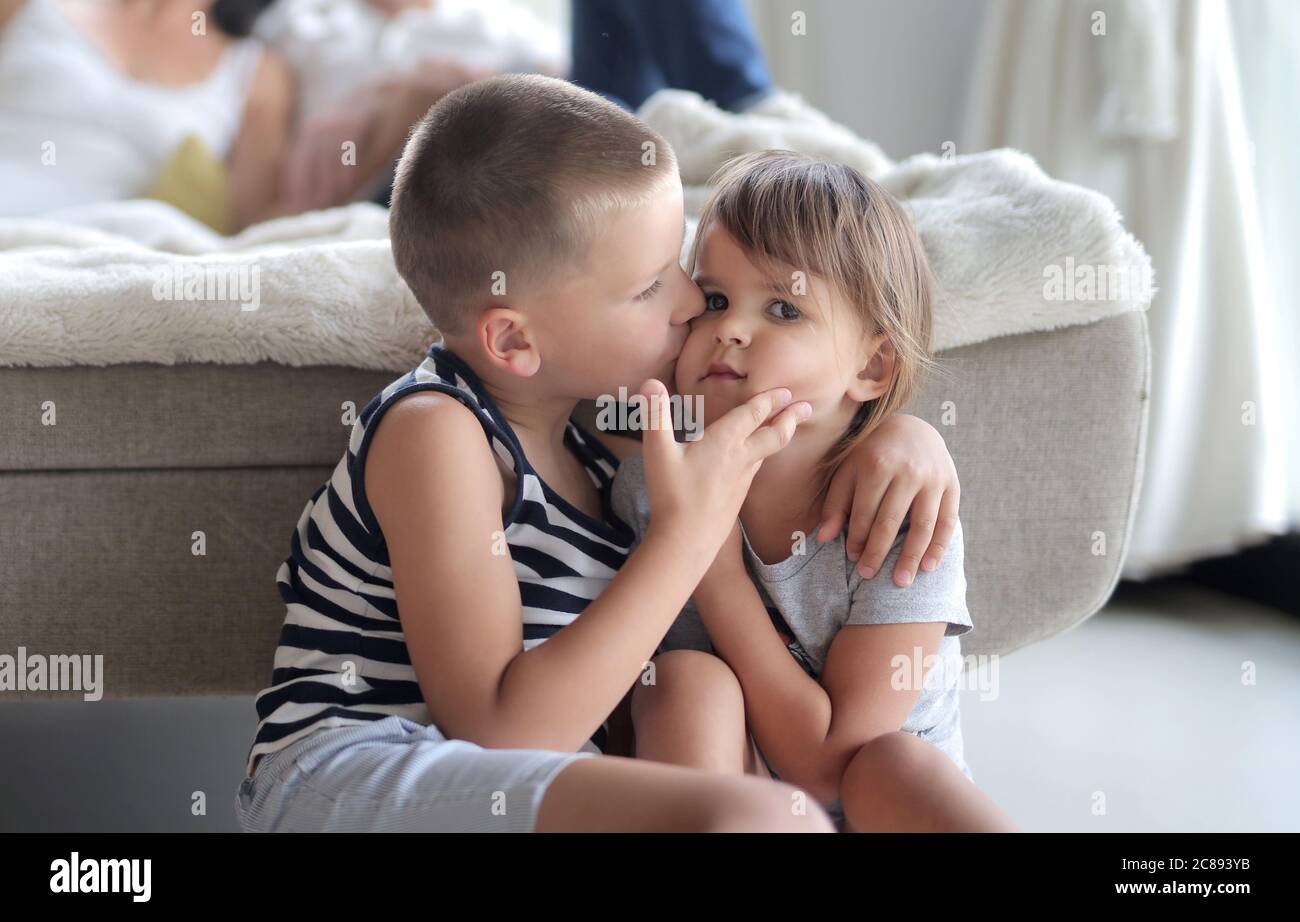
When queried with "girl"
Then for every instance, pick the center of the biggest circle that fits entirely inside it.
(814, 279)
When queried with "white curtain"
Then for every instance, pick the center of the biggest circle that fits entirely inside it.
(1187, 114)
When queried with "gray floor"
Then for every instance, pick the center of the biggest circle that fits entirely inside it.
(1136, 720)
(1145, 705)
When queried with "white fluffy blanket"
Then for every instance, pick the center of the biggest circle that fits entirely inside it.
(140, 282)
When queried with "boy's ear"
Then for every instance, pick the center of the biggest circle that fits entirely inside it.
(873, 378)
(508, 341)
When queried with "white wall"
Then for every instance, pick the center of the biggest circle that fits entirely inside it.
(895, 71)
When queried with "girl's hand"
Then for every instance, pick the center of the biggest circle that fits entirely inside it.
(696, 488)
(902, 470)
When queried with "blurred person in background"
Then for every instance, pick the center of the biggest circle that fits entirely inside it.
(369, 71)
(237, 111)
(103, 100)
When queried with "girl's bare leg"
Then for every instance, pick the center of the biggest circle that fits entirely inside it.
(900, 783)
(692, 718)
(612, 794)
(693, 715)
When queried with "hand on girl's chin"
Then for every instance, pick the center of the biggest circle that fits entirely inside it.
(716, 406)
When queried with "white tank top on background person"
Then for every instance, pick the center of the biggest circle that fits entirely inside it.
(74, 129)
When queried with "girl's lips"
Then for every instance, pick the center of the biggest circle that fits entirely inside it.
(721, 370)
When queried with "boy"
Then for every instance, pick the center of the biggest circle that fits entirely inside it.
(540, 227)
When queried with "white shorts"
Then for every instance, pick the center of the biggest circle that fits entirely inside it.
(395, 775)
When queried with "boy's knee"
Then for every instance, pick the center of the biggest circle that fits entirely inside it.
(688, 678)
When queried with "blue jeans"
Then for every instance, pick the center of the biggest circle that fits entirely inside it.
(625, 50)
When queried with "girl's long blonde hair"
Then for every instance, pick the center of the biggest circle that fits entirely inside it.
(790, 212)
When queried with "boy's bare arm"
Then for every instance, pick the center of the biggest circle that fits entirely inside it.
(436, 491)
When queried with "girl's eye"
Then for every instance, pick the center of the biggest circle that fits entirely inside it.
(649, 292)
(786, 310)
(715, 302)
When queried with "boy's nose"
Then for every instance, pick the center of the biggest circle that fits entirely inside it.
(691, 305)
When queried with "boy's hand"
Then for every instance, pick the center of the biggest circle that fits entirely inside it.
(904, 465)
(696, 488)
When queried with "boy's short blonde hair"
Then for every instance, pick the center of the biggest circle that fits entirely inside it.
(512, 175)
(792, 212)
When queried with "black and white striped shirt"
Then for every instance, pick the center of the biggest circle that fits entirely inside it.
(342, 658)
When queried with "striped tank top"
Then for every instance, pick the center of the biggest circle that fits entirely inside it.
(342, 658)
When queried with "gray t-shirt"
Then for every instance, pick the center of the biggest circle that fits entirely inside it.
(810, 595)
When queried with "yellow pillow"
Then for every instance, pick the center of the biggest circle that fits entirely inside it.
(194, 180)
